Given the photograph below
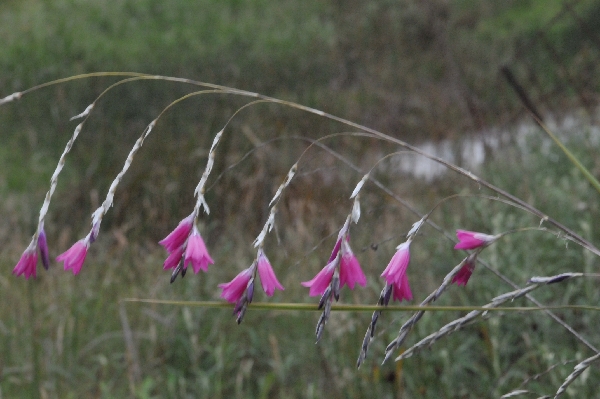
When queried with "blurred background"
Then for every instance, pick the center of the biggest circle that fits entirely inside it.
(451, 77)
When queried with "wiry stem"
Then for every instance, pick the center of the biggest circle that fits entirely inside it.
(577, 371)
(384, 300)
(577, 238)
(472, 316)
(199, 191)
(409, 324)
(54, 178)
(101, 211)
(15, 96)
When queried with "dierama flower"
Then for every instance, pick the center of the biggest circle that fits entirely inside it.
(401, 291)
(27, 264)
(463, 275)
(395, 273)
(196, 252)
(349, 269)
(74, 256)
(233, 290)
(174, 258)
(471, 239)
(268, 279)
(177, 237)
(321, 281)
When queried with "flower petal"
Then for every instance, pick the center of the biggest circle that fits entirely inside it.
(196, 252)
(74, 256)
(27, 264)
(177, 237)
(321, 281)
(350, 271)
(396, 269)
(402, 290)
(268, 279)
(472, 239)
(233, 290)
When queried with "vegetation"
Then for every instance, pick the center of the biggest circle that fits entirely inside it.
(402, 67)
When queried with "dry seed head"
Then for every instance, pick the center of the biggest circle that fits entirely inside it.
(266, 229)
(108, 202)
(209, 164)
(356, 209)
(285, 183)
(359, 186)
(85, 113)
(12, 97)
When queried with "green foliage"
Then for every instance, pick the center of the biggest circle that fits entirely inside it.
(380, 63)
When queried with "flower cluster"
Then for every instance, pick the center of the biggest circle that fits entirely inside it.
(233, 290)
(28, 263)
(343, 259)
(341, 269)
(240, 290)
(185, 245)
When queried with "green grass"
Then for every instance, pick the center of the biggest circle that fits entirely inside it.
(63, 336)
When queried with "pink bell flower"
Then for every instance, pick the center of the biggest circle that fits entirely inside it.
(174, 258)
(321, 281)
(177, 237)
(27, 264)
(402, 291)
(196, 252)
(74, 256)
(395, 273)
(268, 279)
(463, 275)
(350, 271)
(233, 290)
(471, 239)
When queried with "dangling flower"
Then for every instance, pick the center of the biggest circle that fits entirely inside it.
(349, 268)
(402, 290)
(268, 279)
(321, 281)
(472, 239)
(177, 237)
(350, 271)
(463, 275)
(174, 258)
(196, 252)
(395, 273)
(27, 264)
(74, 256)
(233, 290)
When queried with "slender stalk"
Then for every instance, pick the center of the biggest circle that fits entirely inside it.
(360, 308)
(586, 173)
(545, 218)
